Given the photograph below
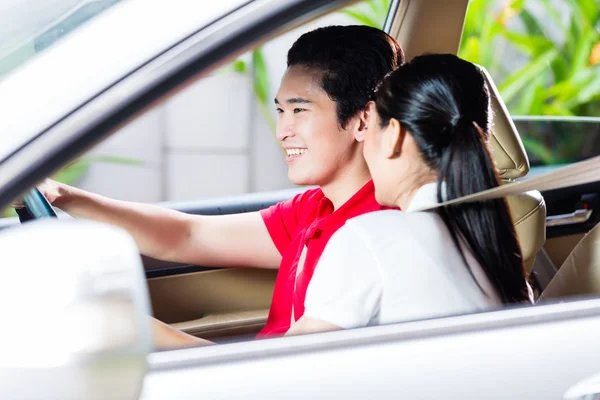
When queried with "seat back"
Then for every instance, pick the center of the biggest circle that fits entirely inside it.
(528, 209)
(580, 273)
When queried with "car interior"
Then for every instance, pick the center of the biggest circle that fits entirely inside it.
(217, 303)
(225, 304)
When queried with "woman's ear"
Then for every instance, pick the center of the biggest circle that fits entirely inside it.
(393, 138)
(365, 119)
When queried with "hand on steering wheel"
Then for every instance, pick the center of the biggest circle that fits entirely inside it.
(35, 205)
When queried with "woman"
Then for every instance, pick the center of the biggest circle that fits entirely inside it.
(426, 141)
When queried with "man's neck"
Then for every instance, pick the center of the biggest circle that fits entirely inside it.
(341, 189)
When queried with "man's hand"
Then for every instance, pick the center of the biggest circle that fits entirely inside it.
(237, 240)
(55, 193)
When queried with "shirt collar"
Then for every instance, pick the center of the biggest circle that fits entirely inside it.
(425, 196)
(361, 202)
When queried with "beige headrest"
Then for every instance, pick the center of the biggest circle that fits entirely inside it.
(507, 149)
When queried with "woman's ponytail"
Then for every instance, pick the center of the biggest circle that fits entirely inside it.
(484, 227)
(444, 103)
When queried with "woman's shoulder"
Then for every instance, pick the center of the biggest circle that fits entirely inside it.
(410, 233)
(396, 220)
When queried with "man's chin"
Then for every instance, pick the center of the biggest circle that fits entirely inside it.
(300, 180)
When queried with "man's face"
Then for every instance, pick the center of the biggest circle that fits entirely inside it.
(317, 147)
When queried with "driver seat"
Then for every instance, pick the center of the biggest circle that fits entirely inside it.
(528, 209)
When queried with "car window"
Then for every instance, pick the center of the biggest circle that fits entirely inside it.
(214, 138)
(29, 27)
(544, 57)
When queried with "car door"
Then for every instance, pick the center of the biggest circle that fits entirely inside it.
(538, 352)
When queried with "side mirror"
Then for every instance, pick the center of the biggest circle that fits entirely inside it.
(74, 312)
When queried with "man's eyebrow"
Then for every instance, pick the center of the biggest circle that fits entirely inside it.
(295, 100)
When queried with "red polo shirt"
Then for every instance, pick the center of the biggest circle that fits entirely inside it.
(307, 219)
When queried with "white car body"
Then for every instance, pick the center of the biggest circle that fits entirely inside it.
(536, 352)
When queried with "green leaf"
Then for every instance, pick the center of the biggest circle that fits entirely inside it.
(582, 53)
(539, 151)
(587, 93)
(470, 50)
(560, 67)
(361, 18)
(261, 77)
(114, 160)
(568, 88)
(584, 20)
(240, 66)
(514, 84)
(532, 25)
(373, 6)
(9, 212)
(71, 174)
(589, 9)
(553, 12)
(529, 44)
(370, 13)
(75, 170)
(489, 53)
(532, 100)
(557, 108)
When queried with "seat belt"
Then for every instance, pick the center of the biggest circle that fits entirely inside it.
(579, 173)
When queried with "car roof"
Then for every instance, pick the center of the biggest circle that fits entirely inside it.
(85, 63)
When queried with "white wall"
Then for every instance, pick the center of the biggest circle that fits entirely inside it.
(208, 140)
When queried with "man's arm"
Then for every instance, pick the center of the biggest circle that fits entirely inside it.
(238, 240)
(165, 337)
(310, 325)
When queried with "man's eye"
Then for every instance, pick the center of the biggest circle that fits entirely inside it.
(297, 110)
(279, 110)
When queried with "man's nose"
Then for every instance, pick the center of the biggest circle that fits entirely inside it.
(284, 129)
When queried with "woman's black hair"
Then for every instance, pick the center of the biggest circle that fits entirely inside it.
(444, 104)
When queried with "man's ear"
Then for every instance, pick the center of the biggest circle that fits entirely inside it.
(365, 119)
(394, 136)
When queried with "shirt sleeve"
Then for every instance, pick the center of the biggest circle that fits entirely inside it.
(281, 220)
(346, 287)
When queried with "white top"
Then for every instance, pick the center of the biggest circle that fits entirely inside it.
(390, 266)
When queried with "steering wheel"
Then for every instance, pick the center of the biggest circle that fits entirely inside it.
(35, 206)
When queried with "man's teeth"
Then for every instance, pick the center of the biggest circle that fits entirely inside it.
(295, 152)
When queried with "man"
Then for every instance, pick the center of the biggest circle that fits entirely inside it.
(321, 104)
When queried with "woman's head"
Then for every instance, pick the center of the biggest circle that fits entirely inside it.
(423, 110)
(430, 122)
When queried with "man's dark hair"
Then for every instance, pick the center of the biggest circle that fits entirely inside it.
(352, 59)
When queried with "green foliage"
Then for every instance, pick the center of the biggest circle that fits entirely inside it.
(260, 83)
(545, 63)
(370, 12)
(558, 74)
(260, 76)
